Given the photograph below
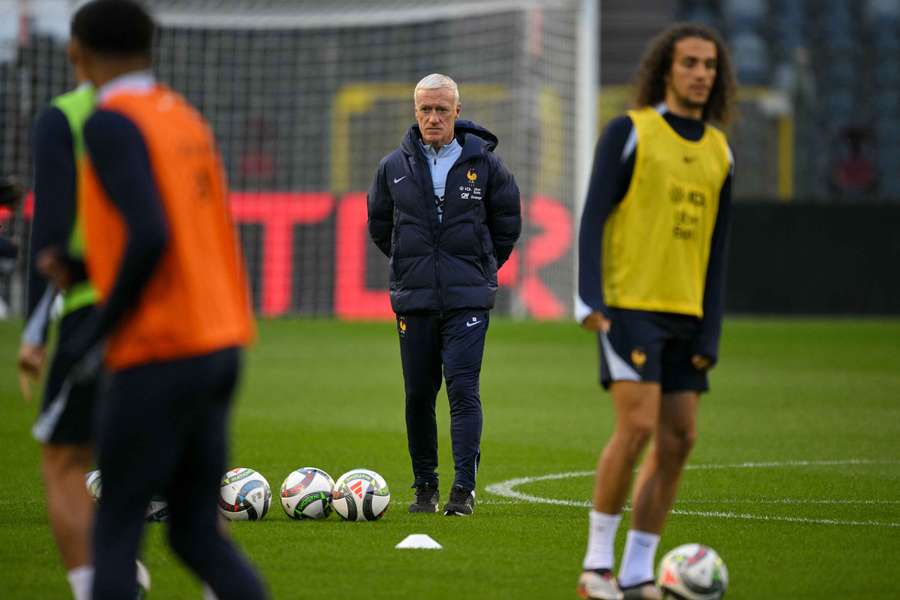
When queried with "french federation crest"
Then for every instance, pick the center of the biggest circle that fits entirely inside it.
(638, 358)
(471, 175)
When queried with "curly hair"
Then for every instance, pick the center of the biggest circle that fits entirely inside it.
(650, 88)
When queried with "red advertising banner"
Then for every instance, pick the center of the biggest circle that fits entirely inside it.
(277, 213)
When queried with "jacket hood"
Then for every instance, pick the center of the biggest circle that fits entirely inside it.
(462, 129)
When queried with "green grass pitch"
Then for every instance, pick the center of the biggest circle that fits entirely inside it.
(795, 478)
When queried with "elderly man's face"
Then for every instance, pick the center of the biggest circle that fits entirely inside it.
(436, 112)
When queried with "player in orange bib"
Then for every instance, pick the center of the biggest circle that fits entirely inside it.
(174, 307)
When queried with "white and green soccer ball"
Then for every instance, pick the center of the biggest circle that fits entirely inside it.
(306, 494)
(244, 495)
(361, 495)
(157, 510)
(692, 572)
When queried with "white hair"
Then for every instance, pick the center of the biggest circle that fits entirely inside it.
(436, 81)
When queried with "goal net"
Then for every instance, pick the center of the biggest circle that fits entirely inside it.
(305, 98)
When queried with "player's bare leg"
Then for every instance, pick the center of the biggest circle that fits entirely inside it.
(69, 506)
(660, 472)
(637, 413)
(654, 493)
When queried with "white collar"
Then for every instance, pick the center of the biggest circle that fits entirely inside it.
(135, 81)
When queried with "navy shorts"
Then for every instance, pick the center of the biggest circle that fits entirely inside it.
(67, 409)
(651, 347)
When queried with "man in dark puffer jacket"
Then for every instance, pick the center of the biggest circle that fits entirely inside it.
(446, 212)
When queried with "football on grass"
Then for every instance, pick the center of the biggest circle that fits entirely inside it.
(306, 494)
(361, 495)
(244, 495)
(692, 572)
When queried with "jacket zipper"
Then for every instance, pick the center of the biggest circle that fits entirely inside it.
(437, 242)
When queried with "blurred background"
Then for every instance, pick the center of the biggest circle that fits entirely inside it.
(305, 98)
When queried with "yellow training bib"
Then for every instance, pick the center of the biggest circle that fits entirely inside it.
(656, 242)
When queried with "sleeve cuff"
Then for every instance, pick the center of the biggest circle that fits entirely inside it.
(582, 310)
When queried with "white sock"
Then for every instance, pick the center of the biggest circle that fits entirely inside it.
(208, 594)
(637, 561)
(601, 540)
(81, 579)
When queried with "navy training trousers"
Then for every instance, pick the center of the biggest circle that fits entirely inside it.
(454, 343)
(163, 429)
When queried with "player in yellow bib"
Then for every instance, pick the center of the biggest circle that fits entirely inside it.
(650, 283)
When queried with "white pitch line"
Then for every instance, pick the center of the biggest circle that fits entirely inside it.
(790, 501)
(784, 501)
(751, 517)
(790, 463)
(507, 489)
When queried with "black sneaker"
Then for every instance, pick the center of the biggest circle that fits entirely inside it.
(461, 503)
(427, 498)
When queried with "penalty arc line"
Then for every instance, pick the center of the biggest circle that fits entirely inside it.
(507, 489)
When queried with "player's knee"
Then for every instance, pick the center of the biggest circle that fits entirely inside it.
(634, 438)
(678, 443)
(686, 439)
(57, 461)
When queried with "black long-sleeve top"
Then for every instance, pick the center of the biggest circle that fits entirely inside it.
(54, 212)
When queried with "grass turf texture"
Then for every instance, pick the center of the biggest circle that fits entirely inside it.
(329, 394)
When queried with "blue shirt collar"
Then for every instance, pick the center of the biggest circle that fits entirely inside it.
(443, 151)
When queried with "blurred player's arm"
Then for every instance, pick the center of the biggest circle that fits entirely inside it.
(706, 347)
(120, 158)
(54, 213)
(54, 205)
(610, 177)
(381, 211)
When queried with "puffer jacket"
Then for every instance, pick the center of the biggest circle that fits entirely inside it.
(442, 265)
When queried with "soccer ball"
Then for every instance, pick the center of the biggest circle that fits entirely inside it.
(692, 572)
(244, 495)
(361, 495)
(306, 494)
(157, 510)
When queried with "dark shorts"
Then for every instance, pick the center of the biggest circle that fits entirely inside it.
(67, 409)
(651, 347)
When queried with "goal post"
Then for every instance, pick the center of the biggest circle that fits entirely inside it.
(306, 97)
